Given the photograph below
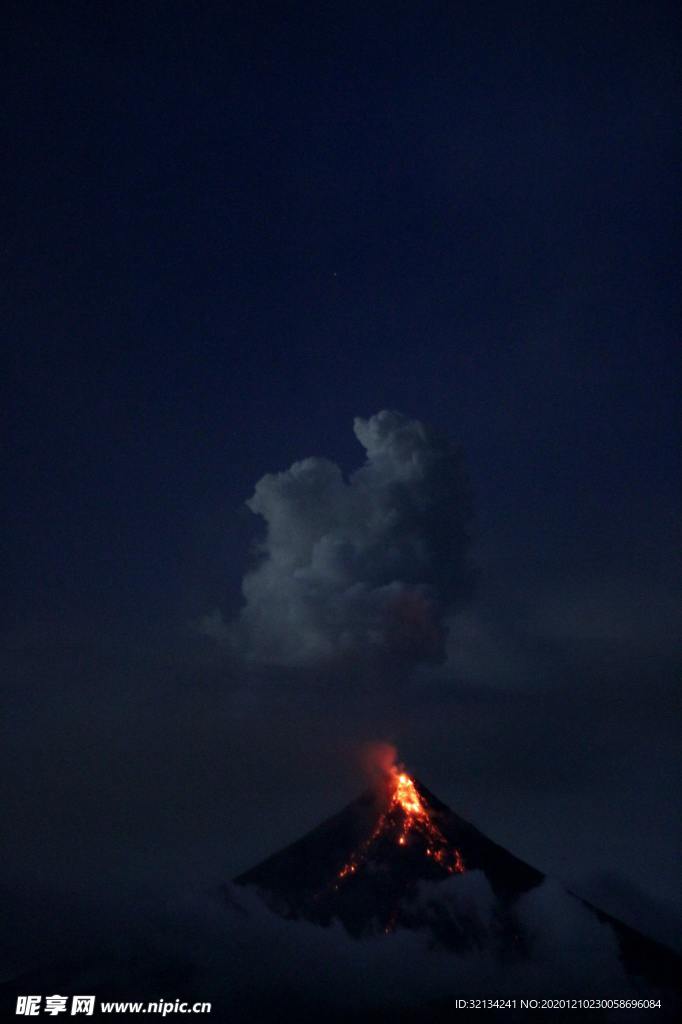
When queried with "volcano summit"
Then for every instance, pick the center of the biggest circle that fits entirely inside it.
(391, 861)
(364, 865)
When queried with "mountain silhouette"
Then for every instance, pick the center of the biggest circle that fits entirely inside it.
(395, 886)
(377, 864)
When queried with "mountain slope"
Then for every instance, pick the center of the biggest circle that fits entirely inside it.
(377, 864)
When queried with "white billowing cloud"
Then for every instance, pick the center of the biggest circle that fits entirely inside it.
(364, 568)
(237, 953)
(568, 950)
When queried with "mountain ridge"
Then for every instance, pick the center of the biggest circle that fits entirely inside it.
(368, 868)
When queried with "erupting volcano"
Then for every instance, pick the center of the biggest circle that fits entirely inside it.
(365, 865)
(398, 858)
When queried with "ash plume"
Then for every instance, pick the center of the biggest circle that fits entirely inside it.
(363, 569)
(378, 760)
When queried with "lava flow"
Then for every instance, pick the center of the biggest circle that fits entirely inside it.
(406, 820)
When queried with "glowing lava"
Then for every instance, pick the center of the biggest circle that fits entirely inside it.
(407, 819)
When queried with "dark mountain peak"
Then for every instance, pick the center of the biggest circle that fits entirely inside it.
(364, 865)
(369, 867)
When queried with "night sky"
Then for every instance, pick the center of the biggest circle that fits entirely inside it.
(228, 230)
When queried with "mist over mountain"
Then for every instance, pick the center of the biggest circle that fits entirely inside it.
(394, 907)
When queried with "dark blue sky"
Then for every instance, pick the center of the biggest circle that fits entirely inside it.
(232, 227)
(229, 228)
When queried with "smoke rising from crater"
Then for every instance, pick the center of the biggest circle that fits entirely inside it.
(378, 760)
(362, 569)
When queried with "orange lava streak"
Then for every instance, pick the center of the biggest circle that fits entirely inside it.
(407, 796)
(407, 809)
